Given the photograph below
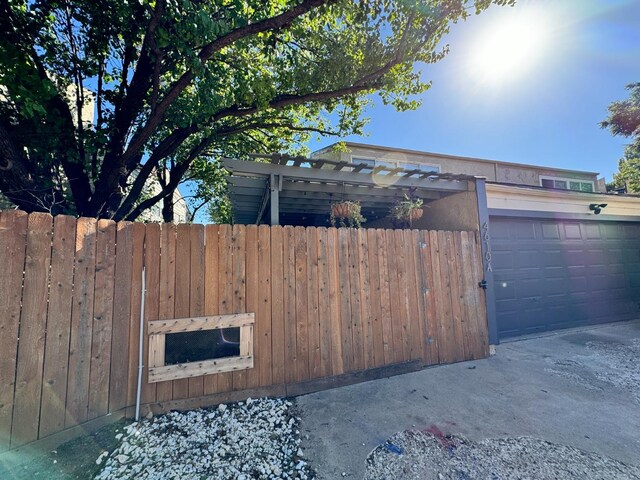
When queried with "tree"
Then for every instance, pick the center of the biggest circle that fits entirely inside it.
(624, 120)
(174, 83)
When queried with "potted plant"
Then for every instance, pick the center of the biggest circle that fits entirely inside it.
(407, 210)
(346, 213)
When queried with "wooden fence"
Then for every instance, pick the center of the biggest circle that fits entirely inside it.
(328, 303)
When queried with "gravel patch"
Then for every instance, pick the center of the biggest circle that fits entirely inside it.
(255, 439)
(415, 455)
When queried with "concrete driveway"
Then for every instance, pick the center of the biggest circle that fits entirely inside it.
(579, 388)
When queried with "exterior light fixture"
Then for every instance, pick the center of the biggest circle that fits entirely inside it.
(597, 207)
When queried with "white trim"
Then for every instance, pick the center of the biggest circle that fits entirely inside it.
(395, 162)
(568, 179)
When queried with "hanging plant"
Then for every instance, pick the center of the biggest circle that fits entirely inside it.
(346, 214)
(407, 210)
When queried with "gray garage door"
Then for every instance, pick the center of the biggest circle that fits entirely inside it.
(552, 274)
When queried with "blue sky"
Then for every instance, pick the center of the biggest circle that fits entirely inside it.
(547, 114)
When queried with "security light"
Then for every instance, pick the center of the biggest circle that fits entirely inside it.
(597, 207)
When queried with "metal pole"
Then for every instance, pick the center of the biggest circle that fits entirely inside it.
(140, 364)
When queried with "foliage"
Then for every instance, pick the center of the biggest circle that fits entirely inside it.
(95, 90)
(404, 209)
(624, 120)
(347, 213)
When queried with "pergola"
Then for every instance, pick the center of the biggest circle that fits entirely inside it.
(284, 190)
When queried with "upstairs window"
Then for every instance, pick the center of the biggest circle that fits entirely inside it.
(390, 165)
(567, 184)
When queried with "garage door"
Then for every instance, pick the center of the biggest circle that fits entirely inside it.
(552, 274)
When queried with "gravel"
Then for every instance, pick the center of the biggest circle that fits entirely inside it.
(413, 455)
(255, 439)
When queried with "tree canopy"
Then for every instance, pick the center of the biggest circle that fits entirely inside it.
(97, 97)
(624, 120)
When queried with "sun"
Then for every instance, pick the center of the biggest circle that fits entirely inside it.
(509, 47)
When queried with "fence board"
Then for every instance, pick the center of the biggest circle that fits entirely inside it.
(416, 334)
(430, 344)
(456, 310)
(395, 298)
(13, 243)
(166, 302)
(373, 265)
(211, 290)
(278, 339)
(252, 295)
(118, 386)
(225, 304)
(324, 309)
(102, 319)
(26, 412)
(289, 274)
(480, 295)
(344, 296)
(137, 260)
(333, 267)
(365, 304)
(263, 329)
(302, 321)
(152, 255)
(355, 284)
(182, 296)
(403, 292)
(385, 302)
(239, 288)
(196, 292)
(312, 283)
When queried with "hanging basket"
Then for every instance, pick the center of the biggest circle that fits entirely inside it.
(340, 210)
(415, 214)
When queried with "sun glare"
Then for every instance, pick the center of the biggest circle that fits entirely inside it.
(509, 47)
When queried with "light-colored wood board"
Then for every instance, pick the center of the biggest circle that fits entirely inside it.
(102, 319)
(263, 357)
(81, 323)
(178, 325)
(278, 339)
(385, 297)
(344, 297)
(252, 295)
(456, 338)
(480, 295)
(324, 309)
(196, 292)
(373, 263)
(468, 284)
(152, 253)
(416, 337)
(430, 344)
(366, 300)
(290, 304)
(337, 365)
(302, 321)
(225, 286)
(239, 280)
(31, 347)
(13, 244)
(445, 328)
(157, 345)
(395, 296)
(121, 311)
(211, 290)
(315, 356)
(355, 284)
(198, 369)
(183, 294)
(166, 302)
(56, 355)
(401, 252)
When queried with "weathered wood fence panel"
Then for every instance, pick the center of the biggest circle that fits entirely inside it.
(328, 303)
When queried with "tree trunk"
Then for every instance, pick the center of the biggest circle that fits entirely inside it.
(167, 208)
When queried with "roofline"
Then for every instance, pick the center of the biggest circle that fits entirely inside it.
(455, 157)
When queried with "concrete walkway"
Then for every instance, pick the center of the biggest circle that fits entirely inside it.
(579, 388)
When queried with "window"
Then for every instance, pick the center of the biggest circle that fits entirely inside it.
(391, 165)
(190, 347)
(567, 184)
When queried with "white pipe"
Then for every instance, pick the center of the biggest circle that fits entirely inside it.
(140, 345)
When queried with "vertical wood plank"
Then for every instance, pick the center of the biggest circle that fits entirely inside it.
(315, 356)
(239, 288)
(356, 303)
(166, 302)
(81, 323)
(121, 311)
(290, 360)
(333, 267)
(278, 339)
(415, 316)
(467, 298)
(457, 340)
(324, 309)
(251, 376)
(401, 253)
(102, 319)
(152, 252)
(344, 297)
(481, 306)
(302, 322)
(374, 297)
(196, 292)
(263, 329)
(31, 345)
(211, 290)
(183, 292)
(396, 300)
(225, 272)
(13, 244)
(430, 344)
(56, 358)
(366, 300)
(385, 297)
(446, 349)
(137, 260)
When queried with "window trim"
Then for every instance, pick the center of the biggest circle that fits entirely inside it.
(158, 329)
(568, 180)
(397, 163)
